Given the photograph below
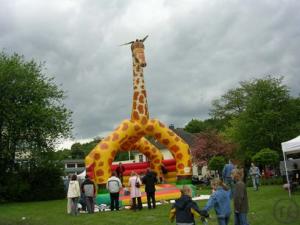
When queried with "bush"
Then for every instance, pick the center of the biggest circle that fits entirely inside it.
(216, 163)
(266, 157)
(37, 184)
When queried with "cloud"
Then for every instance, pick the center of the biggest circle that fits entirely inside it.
(195, 52)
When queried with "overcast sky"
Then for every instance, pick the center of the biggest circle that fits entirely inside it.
(196, 51)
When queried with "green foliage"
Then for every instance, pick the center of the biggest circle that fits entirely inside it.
(76, 151)
(195, 126)
(35, 184)
(32, 119)
(266, 157)
(260, 113)
(198, 126)
(216, 163)
(32, 114)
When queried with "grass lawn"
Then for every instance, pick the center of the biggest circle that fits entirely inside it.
(269, 203)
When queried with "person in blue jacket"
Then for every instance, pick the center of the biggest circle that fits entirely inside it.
(220, 201)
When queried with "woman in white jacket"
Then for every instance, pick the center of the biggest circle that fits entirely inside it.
(135, 192)
(74, 194)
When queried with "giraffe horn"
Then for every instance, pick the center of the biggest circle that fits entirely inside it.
(144, 39)
(129, 43)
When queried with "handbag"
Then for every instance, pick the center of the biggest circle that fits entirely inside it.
(137, 184)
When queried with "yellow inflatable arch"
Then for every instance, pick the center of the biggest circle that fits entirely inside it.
(130, 134)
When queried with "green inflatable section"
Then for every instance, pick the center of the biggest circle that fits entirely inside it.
(104, 199)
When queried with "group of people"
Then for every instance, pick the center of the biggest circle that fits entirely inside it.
(87, 190)
(114, 186)
(185, 210)
(254, 173)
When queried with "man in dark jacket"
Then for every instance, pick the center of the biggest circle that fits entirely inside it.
(240, 198)
(150, 180)
(89, 189)
(185, 209)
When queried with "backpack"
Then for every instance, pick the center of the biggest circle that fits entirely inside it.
(88, 190)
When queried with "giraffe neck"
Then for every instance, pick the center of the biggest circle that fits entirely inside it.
(139, 105)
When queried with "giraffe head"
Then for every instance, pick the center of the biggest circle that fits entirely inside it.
(137, 48)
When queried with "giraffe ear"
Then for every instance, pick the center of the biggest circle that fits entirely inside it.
(144, 39)
(129, 43)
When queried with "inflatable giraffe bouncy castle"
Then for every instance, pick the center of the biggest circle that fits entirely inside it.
(130, 134)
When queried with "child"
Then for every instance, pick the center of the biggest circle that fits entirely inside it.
(240, 198)
(185, 209)
(220, 201)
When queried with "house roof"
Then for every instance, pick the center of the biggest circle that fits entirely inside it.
(186, 136)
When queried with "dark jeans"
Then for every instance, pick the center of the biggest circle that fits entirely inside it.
(90, 204)
(240, 219)
(74, 207)
(151, 197)
(139, 206)
(114, 201)
(223, 220)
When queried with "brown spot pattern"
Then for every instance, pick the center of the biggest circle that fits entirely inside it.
(157, 135)
(174, 148)
(97, 156)
(150, 128)
(144, 120)
(141, 98)
(104, 146)
(136, 115)
(180, 166)
(141, 109)
(135, 95)
(125, 127)
(115, 137)
(165, 141)
(99, 172)
(179, 156)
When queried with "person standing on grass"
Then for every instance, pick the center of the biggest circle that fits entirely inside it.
(220, 201)
(240, 198)
(226, 175)
(69, 199)
(255, 174)
(88, 189)
(114, 186)
(74, 194)
(135, 192)
(150, 180)
(185, 209)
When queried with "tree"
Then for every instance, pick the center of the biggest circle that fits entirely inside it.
(76, 151)
(209, 144)
(197, 126)
(32, 114)
(260, 113)
(217, 163)
(266, 157)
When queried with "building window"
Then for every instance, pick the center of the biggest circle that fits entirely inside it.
(80, 165)
(71, 165)
(140, 158)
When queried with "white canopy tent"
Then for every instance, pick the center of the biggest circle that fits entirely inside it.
(290, 147)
